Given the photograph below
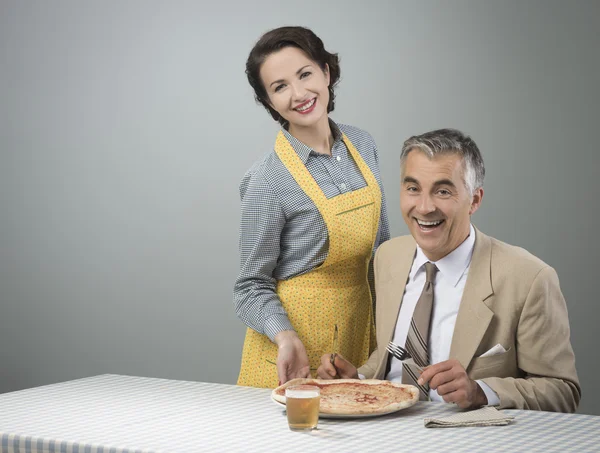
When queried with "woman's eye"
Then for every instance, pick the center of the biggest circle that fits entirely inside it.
(278, 88)
(305, 74)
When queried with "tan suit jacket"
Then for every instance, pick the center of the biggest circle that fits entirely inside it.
(510, 298)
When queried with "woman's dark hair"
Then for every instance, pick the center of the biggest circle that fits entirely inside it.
(279, 38)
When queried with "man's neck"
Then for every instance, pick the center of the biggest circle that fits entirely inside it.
(434, 258)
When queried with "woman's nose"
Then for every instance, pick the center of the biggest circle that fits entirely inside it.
(298, 91)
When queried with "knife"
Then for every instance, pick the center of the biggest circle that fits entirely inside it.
(335, 340)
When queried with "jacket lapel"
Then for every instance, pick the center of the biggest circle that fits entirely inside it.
(473, 315)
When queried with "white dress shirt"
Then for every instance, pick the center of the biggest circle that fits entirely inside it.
(448, 289)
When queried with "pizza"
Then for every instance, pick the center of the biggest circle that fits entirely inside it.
(356, 397)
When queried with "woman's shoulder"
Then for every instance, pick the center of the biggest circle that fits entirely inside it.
(261, 172)
(264, 166)
(359, 137)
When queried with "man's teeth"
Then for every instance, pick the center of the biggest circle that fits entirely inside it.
(424, 223)
(306, 107)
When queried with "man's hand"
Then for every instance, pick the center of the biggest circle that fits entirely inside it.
(292, 360)
(342, 369)
(450, 380)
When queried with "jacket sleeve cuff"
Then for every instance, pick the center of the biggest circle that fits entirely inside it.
(492, 397)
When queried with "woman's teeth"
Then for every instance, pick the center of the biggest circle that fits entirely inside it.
(306, 106)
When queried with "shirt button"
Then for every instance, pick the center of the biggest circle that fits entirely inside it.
(343, 186)
(338, 158)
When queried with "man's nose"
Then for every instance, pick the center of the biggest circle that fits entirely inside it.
(425, 204)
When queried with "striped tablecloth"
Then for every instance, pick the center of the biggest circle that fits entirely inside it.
(124, 414)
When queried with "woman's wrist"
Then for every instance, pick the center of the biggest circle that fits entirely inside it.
(285, 336)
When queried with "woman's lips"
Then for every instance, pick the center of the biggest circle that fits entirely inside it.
(306, 107)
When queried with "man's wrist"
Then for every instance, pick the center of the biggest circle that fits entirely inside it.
(480, 396)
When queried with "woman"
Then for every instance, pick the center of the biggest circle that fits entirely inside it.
(313, 213)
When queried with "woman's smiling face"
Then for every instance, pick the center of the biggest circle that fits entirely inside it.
(297, 87)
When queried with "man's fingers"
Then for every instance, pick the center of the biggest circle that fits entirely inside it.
(329, 367)
(442, 378)
(433, 370)
(340, 368)
(458, 397)
(447, 387)
(429, 373)
(326, 370)
(344, 368)
(324, 373)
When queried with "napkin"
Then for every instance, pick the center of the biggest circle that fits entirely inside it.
(486, 416)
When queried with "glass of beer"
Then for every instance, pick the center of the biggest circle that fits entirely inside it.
(302, 406)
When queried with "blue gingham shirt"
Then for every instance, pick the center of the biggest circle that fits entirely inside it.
(282, 233)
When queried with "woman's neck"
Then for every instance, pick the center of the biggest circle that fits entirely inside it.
(318, 136)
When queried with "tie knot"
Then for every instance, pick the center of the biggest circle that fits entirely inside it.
(430, 270)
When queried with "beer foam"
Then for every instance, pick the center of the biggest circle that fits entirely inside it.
(302, 392)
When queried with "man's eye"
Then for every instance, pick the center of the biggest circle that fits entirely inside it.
(444, 192)
(411, 189)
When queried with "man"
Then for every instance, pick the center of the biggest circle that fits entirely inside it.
(485, 323)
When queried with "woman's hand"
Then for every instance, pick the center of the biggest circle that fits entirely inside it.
(292, 360)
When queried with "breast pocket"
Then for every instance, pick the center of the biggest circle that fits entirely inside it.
(499, 365)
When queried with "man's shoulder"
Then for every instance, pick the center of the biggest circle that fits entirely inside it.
(396, 245)
(514, 262)
(508, 252)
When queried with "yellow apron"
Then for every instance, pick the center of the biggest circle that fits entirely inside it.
(337, 292)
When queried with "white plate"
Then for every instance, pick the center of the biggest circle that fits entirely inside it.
(321, 415)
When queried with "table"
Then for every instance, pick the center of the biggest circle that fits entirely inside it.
(126, 414)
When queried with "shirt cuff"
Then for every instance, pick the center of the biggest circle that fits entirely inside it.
(492, 397)
(361, 376)
(275, 324)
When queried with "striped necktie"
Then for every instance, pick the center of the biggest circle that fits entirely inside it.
(418, 335)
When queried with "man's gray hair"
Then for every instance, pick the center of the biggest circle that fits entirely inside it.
(450, 141)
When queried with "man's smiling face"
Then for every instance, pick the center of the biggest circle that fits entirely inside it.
(435, 202)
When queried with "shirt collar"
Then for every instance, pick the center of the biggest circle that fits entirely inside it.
(453, 265)
(303, 150)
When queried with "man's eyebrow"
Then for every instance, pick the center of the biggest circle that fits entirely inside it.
(445, 182)
(409, 179)
(441, 182)
(297, 72)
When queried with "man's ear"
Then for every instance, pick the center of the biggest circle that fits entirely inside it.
(476, 200)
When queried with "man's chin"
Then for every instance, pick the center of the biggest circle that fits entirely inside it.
(429, 245)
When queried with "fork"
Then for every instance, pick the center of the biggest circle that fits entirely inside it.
(400, 353)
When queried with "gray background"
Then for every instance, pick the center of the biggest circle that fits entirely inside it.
(126, 126)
